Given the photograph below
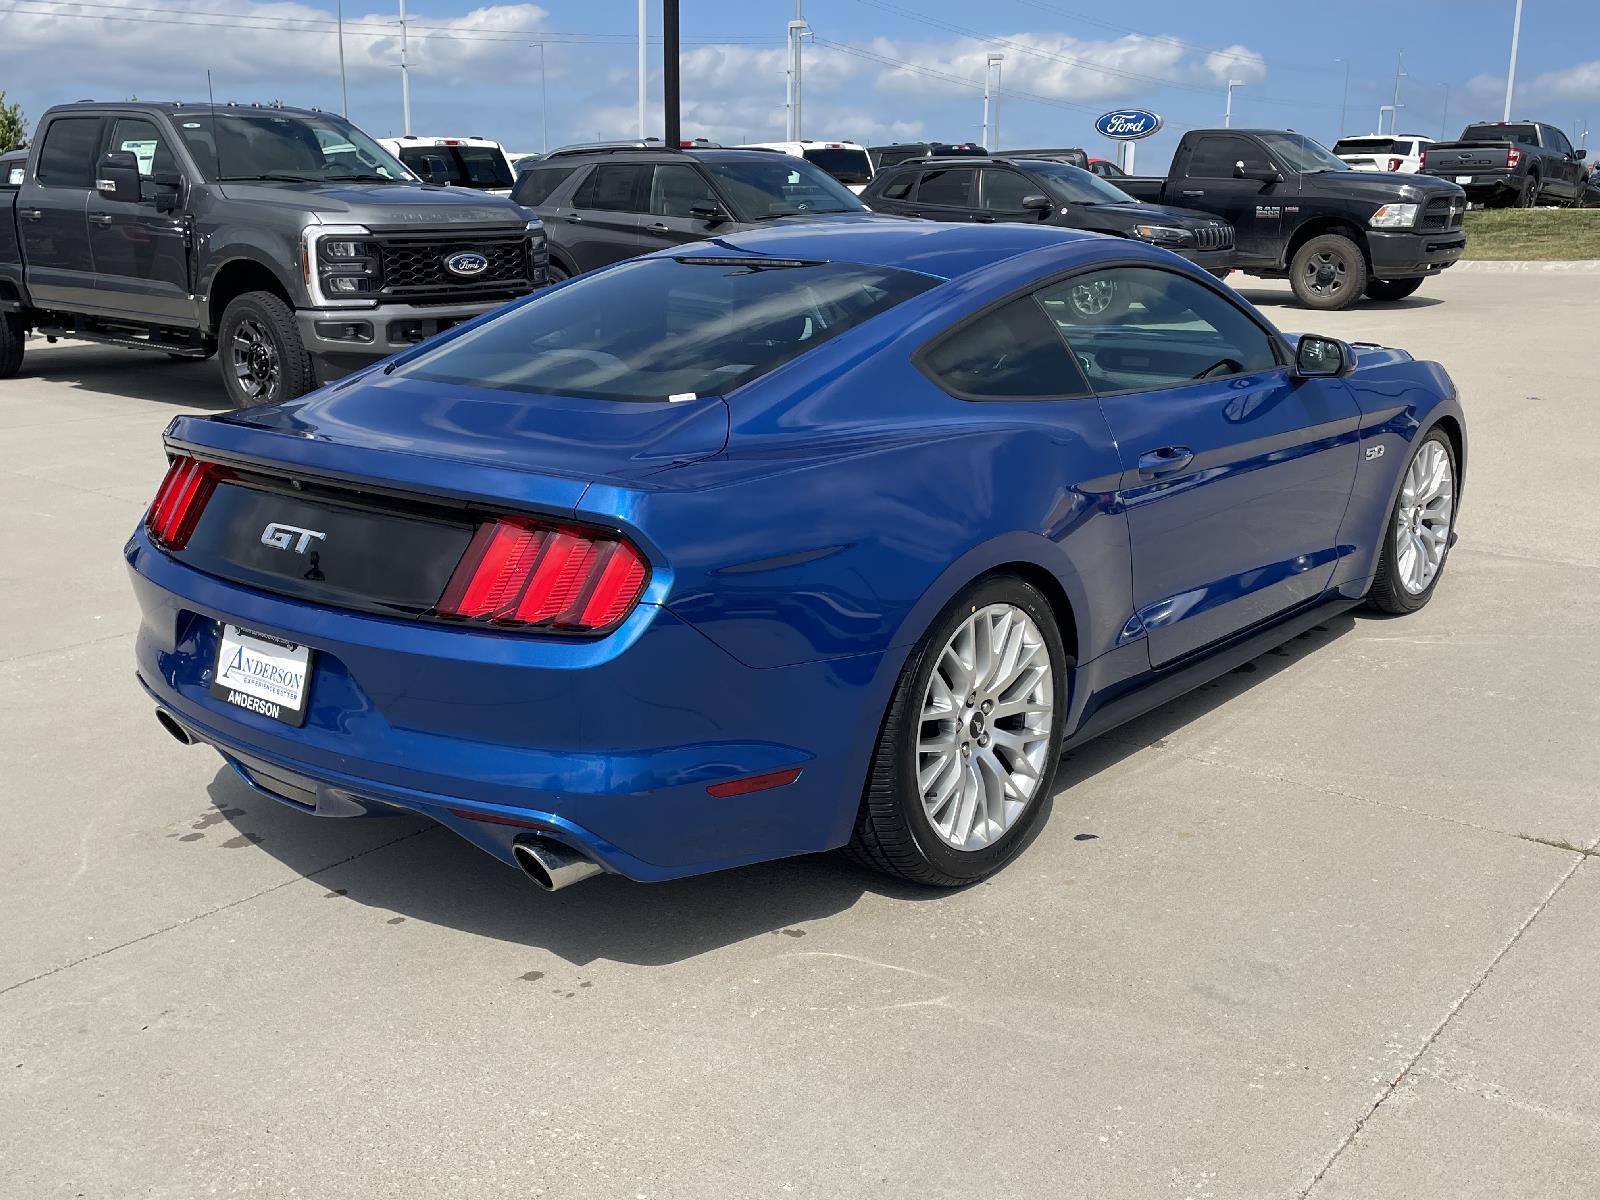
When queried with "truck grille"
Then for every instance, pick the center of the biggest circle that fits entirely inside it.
(1443, 213)
(1214, 237)
(415, 267)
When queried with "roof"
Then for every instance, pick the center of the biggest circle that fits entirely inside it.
(946, 251)
(170, 106)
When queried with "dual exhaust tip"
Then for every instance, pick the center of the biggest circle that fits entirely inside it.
(549, 864)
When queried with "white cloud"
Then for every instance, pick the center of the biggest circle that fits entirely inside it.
(1046, 64)
(1235, 62)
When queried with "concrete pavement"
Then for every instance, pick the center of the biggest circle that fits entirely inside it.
(1315, 930)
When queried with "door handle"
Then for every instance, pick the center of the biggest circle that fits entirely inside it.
(30, 214)
(910, 213)
(1164, 461)
(984, 220)
(573, 217)
(657, 226)
(1194, 191)
(100, 219)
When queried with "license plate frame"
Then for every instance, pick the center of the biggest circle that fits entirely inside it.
(1463, 179)
(262, 674)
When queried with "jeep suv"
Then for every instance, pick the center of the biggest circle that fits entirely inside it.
(604, 203)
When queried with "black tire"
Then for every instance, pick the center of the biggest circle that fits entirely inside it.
(893, 832)
(1328, 273)
(1388, 593)
(1528, 197)
(558, 273)
(262, 320)
(1392, 289)
(13, 342)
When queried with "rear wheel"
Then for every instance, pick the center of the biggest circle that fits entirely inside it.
(263, 359)
(1392, 289)
(1528, 197)
(13, 340)
(971, 740)
(1328, 272)
(1417, 540)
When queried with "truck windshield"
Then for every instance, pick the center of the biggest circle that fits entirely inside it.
(267, 144)
(666, 329)
(1526, 134)
(1302, 153)
(1073, 185)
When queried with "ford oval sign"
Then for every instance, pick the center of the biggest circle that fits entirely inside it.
(1128, 124)
(466, 264)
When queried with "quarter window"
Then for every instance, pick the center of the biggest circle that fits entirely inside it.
(538, 185)
(1135, 328)
(67, 157)
(615, 187)
(1012, 353)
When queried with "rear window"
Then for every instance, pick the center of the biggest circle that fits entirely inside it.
(847, 166)
(480, 167)
(1501, 133)
(1363, 145)
(536, 186)
(667, 328)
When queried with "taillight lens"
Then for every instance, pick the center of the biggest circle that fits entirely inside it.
(524, 573)
(1513, 157)
(1423, 160)
(1395, 163)
(180, 500)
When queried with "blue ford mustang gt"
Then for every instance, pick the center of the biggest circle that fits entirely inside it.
(791, 540)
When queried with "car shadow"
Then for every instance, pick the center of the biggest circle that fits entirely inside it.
(425, 873)
(130, 374)
(1278, 299)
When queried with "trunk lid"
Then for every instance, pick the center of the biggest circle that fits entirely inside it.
(1444, 158)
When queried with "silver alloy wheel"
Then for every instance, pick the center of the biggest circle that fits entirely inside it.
(983, 738)
(1326, 273)
(1422, 518)
(255, 360)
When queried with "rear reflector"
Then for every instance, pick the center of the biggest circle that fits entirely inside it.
(754, 783)
(489, 818)
(524, 573)
(180, 500)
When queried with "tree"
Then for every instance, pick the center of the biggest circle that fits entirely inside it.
(13, 126)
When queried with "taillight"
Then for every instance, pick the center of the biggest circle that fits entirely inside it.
(1513, 157)
(1424, 161)
(1395, 163)
(525, 573)
(180, 500)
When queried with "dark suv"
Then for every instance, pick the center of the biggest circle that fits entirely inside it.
(985, 190)
(602, 204)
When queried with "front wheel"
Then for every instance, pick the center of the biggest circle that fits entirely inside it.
(970, 743)
(1328, 272)
(1417, 539)
(1392, 289)
(263, 358)
(13, 341)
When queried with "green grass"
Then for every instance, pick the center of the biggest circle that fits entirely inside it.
(1543, 234)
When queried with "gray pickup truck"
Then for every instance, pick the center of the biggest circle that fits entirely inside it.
(1517, 163)
(286, 239)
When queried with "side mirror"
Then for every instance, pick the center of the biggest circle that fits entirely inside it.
(1579, 155)
(708, 210)
(1036, 203)
(1321, 358)
(117, 177)
(435, 170)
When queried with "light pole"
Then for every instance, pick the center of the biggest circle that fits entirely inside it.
(405, 77)
(1344, 103)
(1227, 117)
(1444, 117)
(797, 30)
(1511, 75)
(344, 93)
(1385, 108)
(544, 106)
(644, 66)
(991, 99)
(1399, 74)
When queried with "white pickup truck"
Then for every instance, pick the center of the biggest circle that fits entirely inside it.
(469, 162)
(1397, 153)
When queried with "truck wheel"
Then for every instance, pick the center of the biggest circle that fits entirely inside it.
(1328, 272)
(1392, 289)
(1528, 197)
(12, 341)
(263, 359)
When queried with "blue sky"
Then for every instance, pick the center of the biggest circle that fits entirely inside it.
(879, 70)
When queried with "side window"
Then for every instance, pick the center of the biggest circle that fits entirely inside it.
(67, 158)
(1135, 328)
(947, 187)
(1213, 157)
(143, 140)
(899, 188)
(676, 188)
(616, 187)
(538, 185)
(1012, 353)
(1558, 140)
(1003, 190)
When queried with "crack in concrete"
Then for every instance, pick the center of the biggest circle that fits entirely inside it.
(211, 912)
(1361, 1123)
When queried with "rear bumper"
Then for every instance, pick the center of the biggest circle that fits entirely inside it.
(608, 745)
(344, 340)
(1482, 185)
(1403, 254)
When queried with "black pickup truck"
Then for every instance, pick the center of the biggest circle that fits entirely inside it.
(1521, 163)
(286, 238)
(1300, 213)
